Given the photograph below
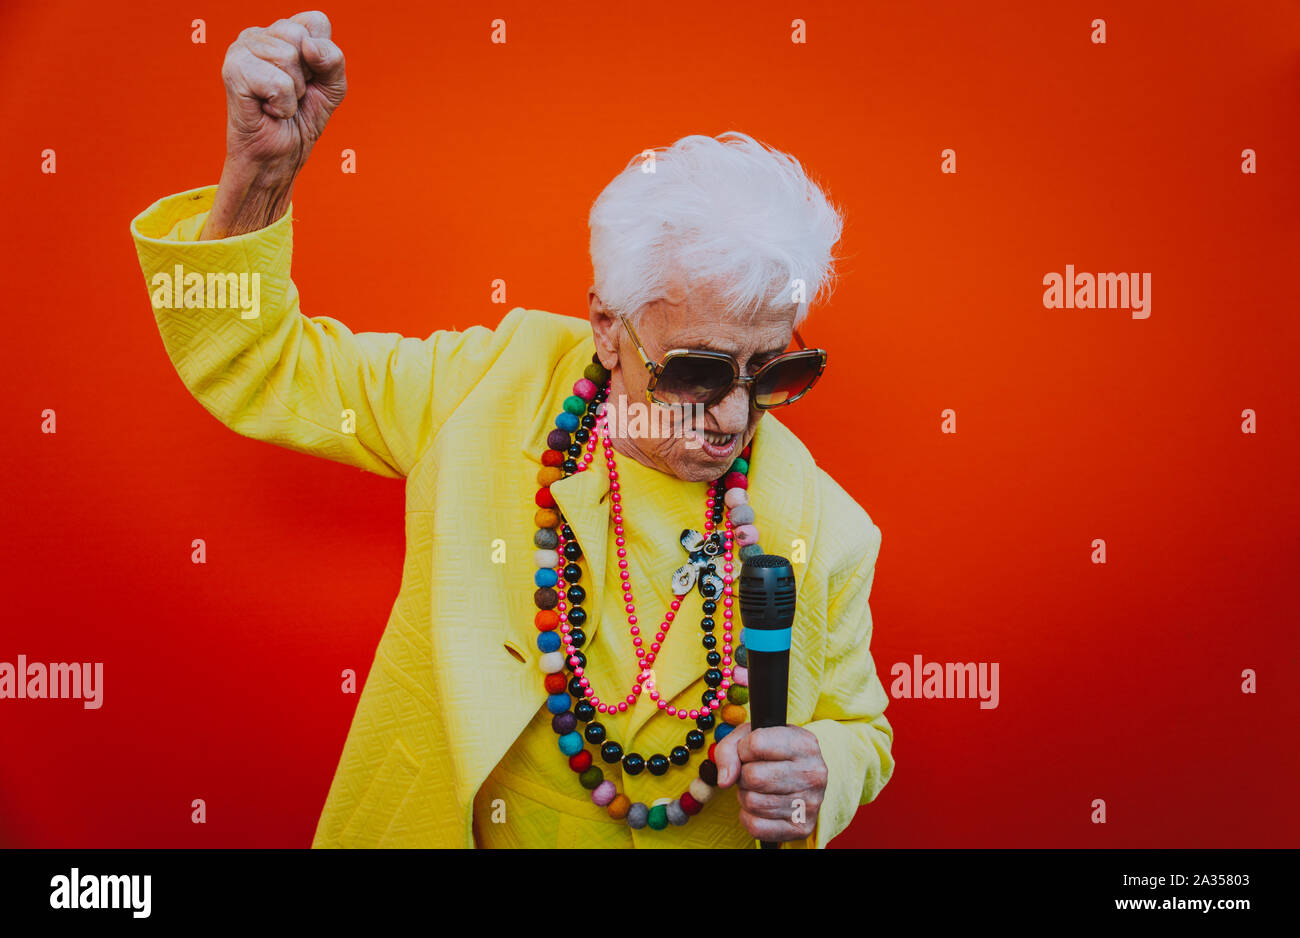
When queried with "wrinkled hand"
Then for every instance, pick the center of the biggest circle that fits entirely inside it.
(282, 84)
(777, 767)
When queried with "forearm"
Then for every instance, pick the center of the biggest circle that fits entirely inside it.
(849, 720)
(859, 762)
(254, 361)
(249, 197)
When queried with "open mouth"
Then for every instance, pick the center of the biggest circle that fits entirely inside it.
(717, 445)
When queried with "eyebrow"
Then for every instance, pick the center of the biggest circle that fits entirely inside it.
(704, 345)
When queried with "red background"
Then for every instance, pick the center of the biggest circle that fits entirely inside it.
(478, 161)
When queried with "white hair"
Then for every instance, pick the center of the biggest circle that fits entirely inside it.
(724, 210)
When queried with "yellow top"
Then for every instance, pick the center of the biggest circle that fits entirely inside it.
(452, 716)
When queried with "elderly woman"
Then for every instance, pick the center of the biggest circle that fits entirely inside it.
(562, 666)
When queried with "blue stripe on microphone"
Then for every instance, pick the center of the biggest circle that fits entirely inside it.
(767, 639)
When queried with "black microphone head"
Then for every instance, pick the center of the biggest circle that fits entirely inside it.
(767, 592)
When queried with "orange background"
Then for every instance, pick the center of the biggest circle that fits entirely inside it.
(479, 161)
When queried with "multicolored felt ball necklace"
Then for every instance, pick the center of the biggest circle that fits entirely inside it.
(560, 617)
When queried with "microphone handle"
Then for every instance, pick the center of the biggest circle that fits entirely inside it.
(769, 674)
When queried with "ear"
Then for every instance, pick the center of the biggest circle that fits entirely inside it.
(605, 329)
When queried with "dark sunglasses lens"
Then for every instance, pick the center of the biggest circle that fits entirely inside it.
(691, 379)
(786, 379)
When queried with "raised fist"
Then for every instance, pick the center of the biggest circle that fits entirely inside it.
(282, 84)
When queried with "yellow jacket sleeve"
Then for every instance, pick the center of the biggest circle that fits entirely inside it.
(849, 721)
(264, 369)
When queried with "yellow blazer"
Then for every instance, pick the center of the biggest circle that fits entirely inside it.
(463, 417)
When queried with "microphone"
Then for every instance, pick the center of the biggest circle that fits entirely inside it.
(767, 592)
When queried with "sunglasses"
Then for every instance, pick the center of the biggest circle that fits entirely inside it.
(687, 377)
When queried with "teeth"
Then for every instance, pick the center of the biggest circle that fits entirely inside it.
(717, 439)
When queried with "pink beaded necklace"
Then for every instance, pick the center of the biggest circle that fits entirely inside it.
(646, 659)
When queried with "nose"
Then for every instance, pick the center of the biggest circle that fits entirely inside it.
(732, 412)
